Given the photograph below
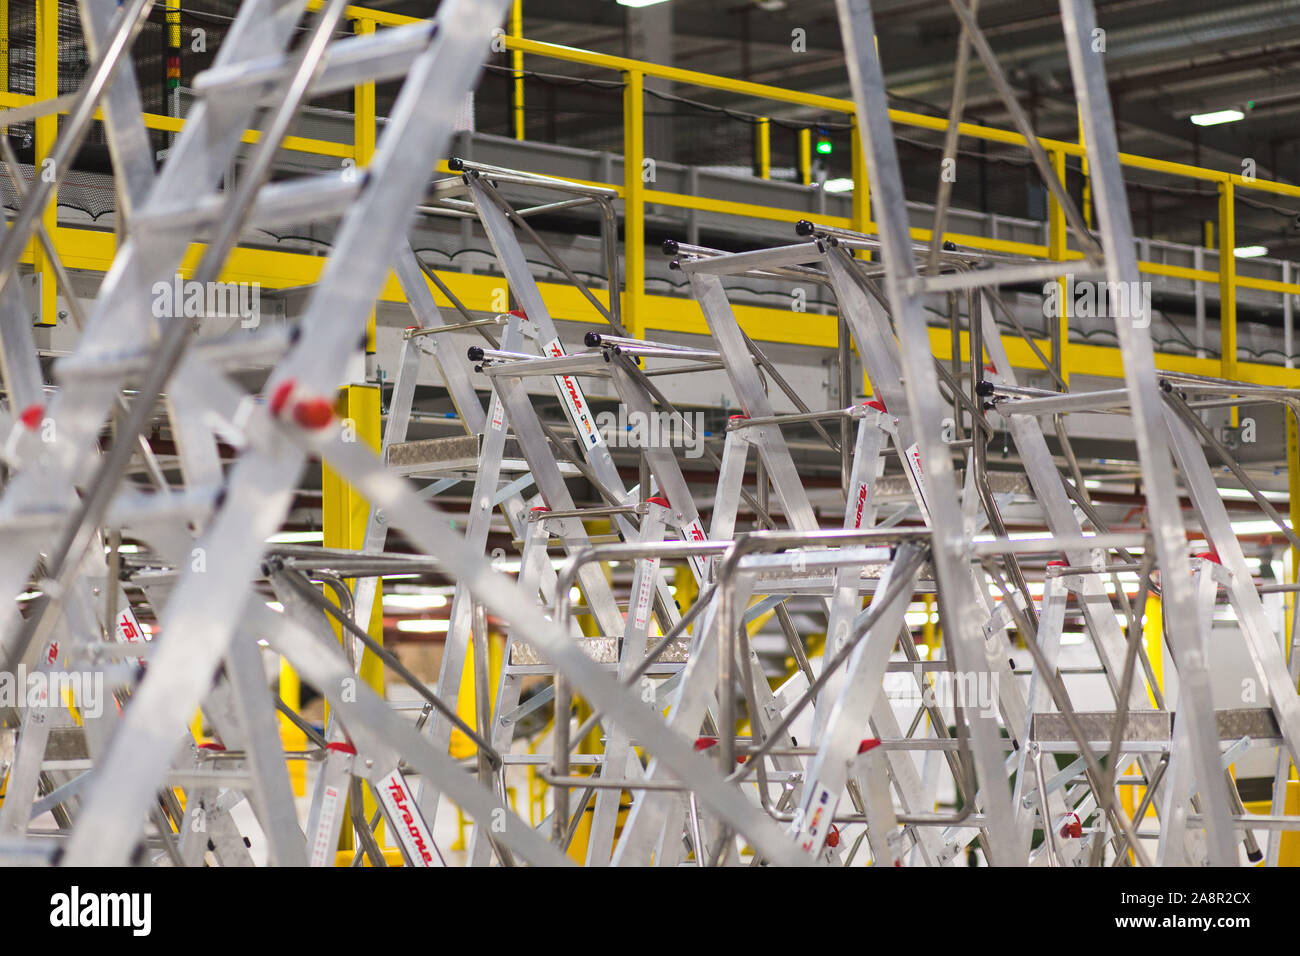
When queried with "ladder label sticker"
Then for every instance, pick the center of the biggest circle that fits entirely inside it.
(128, 630)
(913, 459)
(498, 413)
(574, 399)
(324, 836)
(644, 593)
(860, 504)
(695, 532)
(405, 818)
(821, 806)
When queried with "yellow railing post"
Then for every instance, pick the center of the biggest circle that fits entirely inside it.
(634, 172)
(363, 143)
(805, 156)
(47, 130)
(861, 186)
(517, 68)
(763, 147)
(1293, 486)
(1087, 180)
(344, 514)
(4, 49)
(290, 736)
(1228, 283)
(1056, 246)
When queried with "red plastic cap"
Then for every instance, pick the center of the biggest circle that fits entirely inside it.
(659, 500)
(211, 745)
(991, 368)
(343, 747)
(876, 404)
(540, 508)
(1057, 564)
(519, 312)
(738, 418)
(833, 838)
(32, 415)
(871, 743)
(280, 396)
(1210, 556)
(704, 743)
(313, 412)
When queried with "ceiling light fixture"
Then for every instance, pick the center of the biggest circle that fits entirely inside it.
(1217, 117)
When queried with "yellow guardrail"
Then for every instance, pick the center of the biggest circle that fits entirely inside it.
(636, 194)
(93, 250)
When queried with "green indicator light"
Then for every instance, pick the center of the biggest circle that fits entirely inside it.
(824, 147)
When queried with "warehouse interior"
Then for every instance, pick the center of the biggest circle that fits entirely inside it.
(649, 433)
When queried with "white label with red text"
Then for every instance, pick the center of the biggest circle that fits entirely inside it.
(576, 402)
(404, 817)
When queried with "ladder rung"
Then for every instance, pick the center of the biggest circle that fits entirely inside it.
(347, 63)
(291, 202)
(239, 351)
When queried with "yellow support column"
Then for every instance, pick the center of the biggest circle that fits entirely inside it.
(291, 738)
(763, 147)
(363, 114)
(1228, 284)
(1153, 629)
(47, 130)
(517, 67)
(634, 202)
(1057, 240)
(805, 156)
(4, 50)
(1293, 487)
(861, 187)
(1087, 181)
(345, 513)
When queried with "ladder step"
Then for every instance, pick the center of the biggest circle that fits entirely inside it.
(602, 650)
(289, 202)
(386, 55)
(456, 455)
(1150, 730)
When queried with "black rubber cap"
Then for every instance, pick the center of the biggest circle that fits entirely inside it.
(591, 339)
(804, 228)
(476, 353)
(1256, 856)
(675, 265)
(456, 163)
(670, 247)
(984, 389)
